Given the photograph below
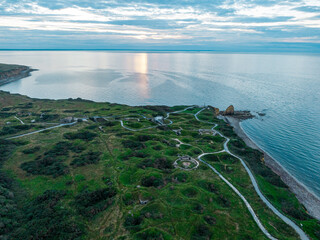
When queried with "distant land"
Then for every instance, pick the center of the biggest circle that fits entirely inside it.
(78, 169)
(10, 72)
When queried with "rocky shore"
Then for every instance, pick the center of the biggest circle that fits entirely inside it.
(14, 74)
(308, 199)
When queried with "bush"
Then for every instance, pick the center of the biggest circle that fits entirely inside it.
(152, 234)
(51, 162)
(7, 114)
(9, 213)
(159, 163)
(288, 208)
(128, 199)
(190, 192)
(209, 186)
(44, 218)
(157, 147)
(109, 124)
(152, 181)
(224, 202)
(181, 177)
(152, 211)
(210, 220)
(144, 138)
(91, 203)
(202, 232)
(6, 130)
(198, 208)
(85, 159)
(83, 135)
(132, 223)
(45, 166)
(31, 150)
(126, 156)
(49, 117)
(134, 145)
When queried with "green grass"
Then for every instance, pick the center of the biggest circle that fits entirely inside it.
(138, 165)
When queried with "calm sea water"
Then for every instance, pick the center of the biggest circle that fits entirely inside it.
(285, 87)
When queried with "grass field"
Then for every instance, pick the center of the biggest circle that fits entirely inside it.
(97, 180)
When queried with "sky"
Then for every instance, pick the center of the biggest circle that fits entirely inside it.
(218, 25)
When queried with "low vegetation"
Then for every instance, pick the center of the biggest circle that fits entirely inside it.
(97, 180)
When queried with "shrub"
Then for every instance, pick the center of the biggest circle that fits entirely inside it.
(7, 114)
(134, 145)
(51, 162)
(201, 232)
(46, 166)
(153, 211)
(157, 147)
(190, 192)
(44, 218)
(210, 220)
(31, 150)
(128, 199)
(91, 203)
(83, 135)
(288, 208)
(86, 158)
(144, 138)
(209, 186)
(49, 117)
(159, 163)
(152, 234)
(109, 124)
(223, 201)
(198, 208)
(181, 177)
(152, 181)
(132, 223)
(6, 130)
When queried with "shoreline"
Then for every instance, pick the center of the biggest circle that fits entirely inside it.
(305, 196)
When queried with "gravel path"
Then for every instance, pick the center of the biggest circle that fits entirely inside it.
(302, 235)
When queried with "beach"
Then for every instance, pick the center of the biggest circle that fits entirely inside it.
(307, 198)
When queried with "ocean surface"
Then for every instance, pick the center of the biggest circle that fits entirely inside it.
(286, 87)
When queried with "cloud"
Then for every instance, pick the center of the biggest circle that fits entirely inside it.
(160, 22)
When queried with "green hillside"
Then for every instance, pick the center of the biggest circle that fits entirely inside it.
(96, 179)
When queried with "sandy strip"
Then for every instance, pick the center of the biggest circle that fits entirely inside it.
(308, 199)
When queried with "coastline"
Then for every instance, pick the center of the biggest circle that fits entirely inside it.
(307, 198)
(25, 72)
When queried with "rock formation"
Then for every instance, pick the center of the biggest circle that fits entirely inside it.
(216, 111)
(229, 110)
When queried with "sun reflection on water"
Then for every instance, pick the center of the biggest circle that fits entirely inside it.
(141, 68)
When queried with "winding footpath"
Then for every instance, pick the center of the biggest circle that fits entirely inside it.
(299, 231)
(38, 131)
(302, 235)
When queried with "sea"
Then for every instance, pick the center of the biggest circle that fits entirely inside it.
(282, 90)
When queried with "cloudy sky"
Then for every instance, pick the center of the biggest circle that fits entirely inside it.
(223, 25)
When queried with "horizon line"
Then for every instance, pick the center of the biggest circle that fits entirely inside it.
(156, 50)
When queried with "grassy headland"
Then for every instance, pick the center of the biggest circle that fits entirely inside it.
(97, 180)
